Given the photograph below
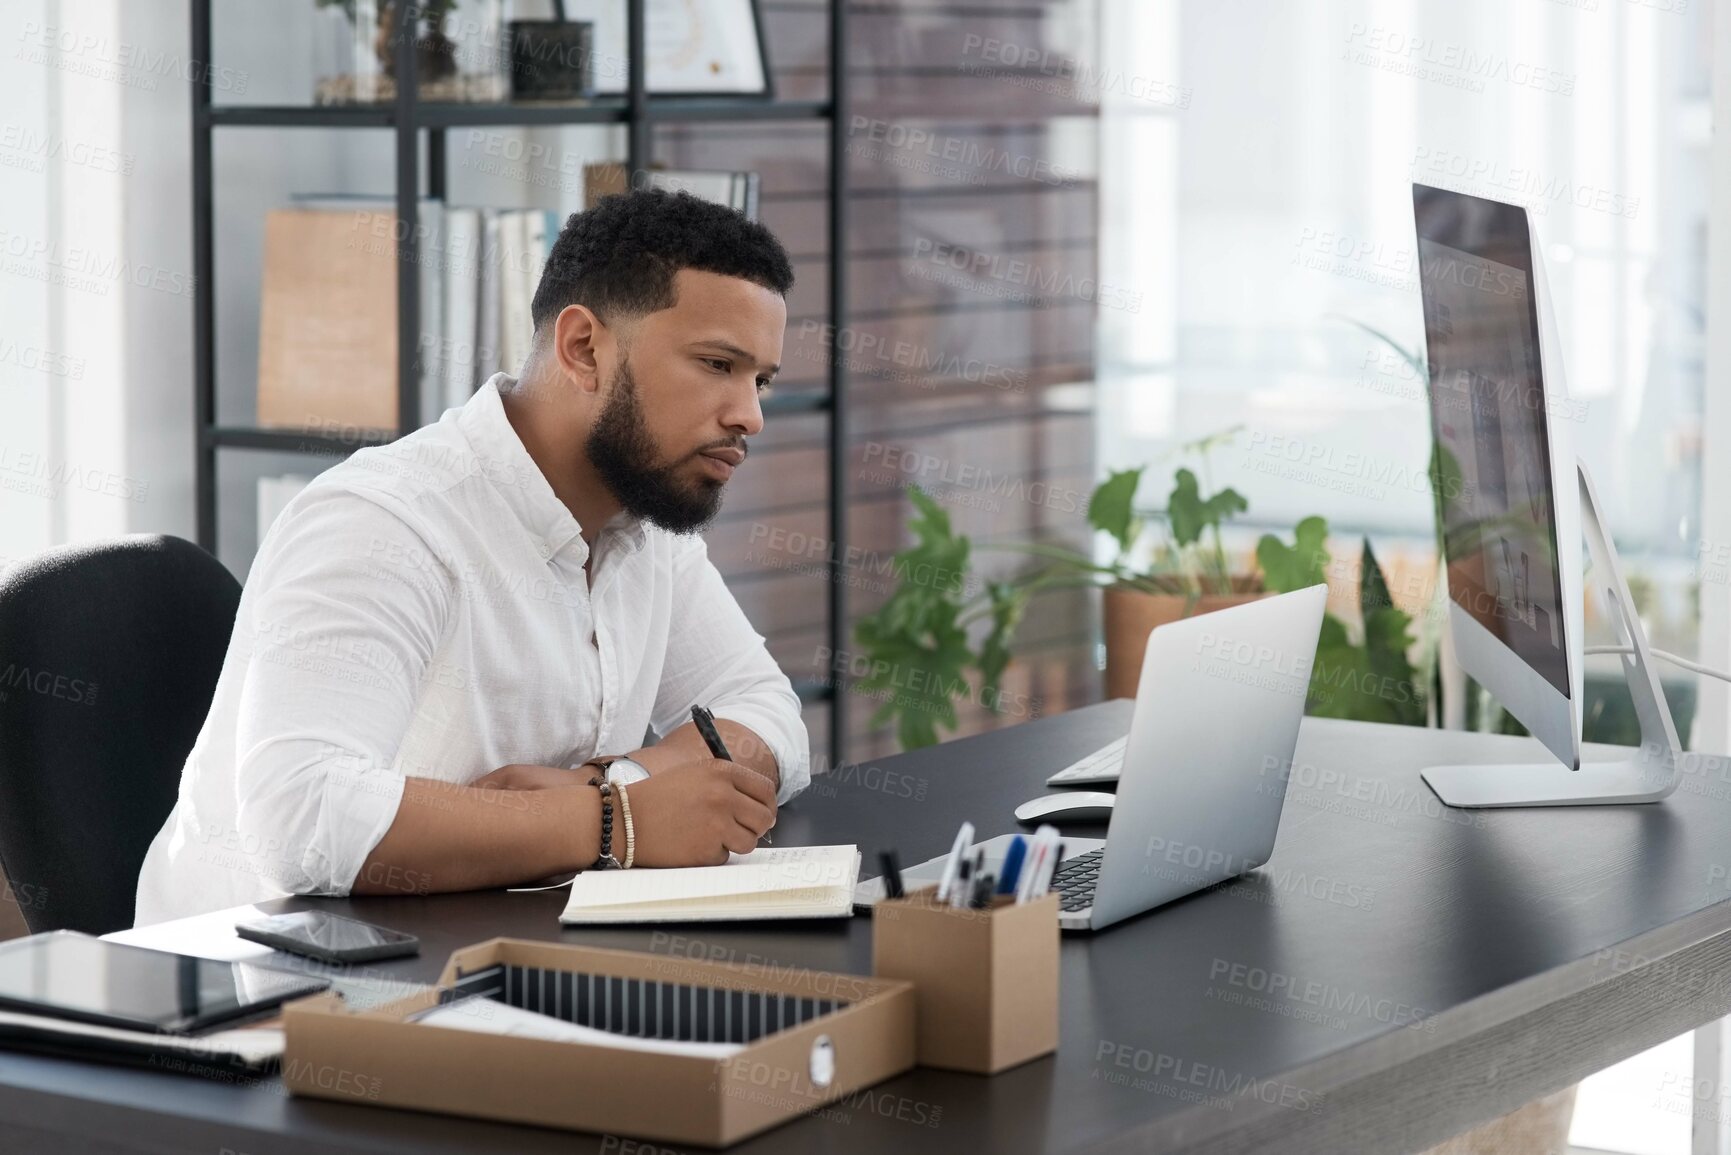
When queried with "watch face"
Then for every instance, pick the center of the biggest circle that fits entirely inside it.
(624, 772)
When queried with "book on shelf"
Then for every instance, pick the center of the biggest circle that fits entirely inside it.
(328, 312)
(513, 297)
(327, 340)
(487, 323)
(461, 286)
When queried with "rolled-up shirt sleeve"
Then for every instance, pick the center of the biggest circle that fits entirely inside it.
(350, 609)
(716, 659)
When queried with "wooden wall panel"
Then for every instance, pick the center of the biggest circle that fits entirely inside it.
(969, 342)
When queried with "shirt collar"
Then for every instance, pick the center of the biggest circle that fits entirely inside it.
(520, 481)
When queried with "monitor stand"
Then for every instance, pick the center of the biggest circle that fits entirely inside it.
(1648, 774)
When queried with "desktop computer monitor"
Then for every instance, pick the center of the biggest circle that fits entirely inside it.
(1503, 470)
(1513, 503)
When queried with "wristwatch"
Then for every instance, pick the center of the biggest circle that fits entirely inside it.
(618, 768)
(625, 771)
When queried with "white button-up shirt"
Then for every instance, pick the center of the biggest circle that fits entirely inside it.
(422, 610)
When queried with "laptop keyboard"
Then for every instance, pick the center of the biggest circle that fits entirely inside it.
(1075, 880)
(1103, 764)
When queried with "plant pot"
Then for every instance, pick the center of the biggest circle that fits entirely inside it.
(1130, 615)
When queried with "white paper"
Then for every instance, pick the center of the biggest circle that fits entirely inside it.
(495, 1018)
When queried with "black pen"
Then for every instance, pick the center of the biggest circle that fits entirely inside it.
(705, 723)
(892, 869)
(711, 736)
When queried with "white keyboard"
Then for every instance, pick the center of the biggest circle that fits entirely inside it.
(1103, 765)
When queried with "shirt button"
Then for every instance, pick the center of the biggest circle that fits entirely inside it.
(542, 549)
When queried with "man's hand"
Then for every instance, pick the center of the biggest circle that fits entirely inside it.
(524, 777)
(692, 815)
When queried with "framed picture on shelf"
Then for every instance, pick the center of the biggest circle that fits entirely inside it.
(694, 47)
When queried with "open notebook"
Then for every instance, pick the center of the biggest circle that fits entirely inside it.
(772, 882)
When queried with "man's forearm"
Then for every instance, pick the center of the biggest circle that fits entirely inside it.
(686, 745)
(447, 837)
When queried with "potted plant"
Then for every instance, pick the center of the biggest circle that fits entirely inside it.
(1187, 573)
(921, 644)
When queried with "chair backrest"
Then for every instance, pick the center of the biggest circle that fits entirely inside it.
(109, 656)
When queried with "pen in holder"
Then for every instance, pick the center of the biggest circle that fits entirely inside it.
(985, 981)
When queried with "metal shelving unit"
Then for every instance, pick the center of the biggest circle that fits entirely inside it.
(408, 118)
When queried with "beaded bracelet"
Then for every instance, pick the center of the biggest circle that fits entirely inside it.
(630, 831)
(605, 860)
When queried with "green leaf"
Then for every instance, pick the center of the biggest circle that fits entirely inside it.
(1293, 567)
(1008, 602)
(1190, 514)
(1372, 586)
(1184, 509)
(1374, 681)
(1112, 508)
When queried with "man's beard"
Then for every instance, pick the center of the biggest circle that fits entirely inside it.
(624, 454)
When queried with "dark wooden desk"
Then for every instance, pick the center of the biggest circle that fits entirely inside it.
(1398, 973)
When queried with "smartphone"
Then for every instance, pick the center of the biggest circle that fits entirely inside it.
(329, 937)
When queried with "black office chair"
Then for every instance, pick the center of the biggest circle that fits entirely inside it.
(109, 656)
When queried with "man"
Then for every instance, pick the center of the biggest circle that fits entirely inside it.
(444, 642)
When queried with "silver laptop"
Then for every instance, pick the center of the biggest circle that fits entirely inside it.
(1199, 799)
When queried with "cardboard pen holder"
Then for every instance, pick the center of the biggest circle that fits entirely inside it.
(985, 981)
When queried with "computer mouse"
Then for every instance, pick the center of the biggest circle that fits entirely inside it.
(1072, 806)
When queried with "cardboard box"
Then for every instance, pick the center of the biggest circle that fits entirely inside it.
(859, 1031)
(985, 981)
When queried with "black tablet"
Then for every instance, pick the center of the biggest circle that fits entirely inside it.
(73, 976)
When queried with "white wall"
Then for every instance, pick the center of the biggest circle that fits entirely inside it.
(95, 309)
